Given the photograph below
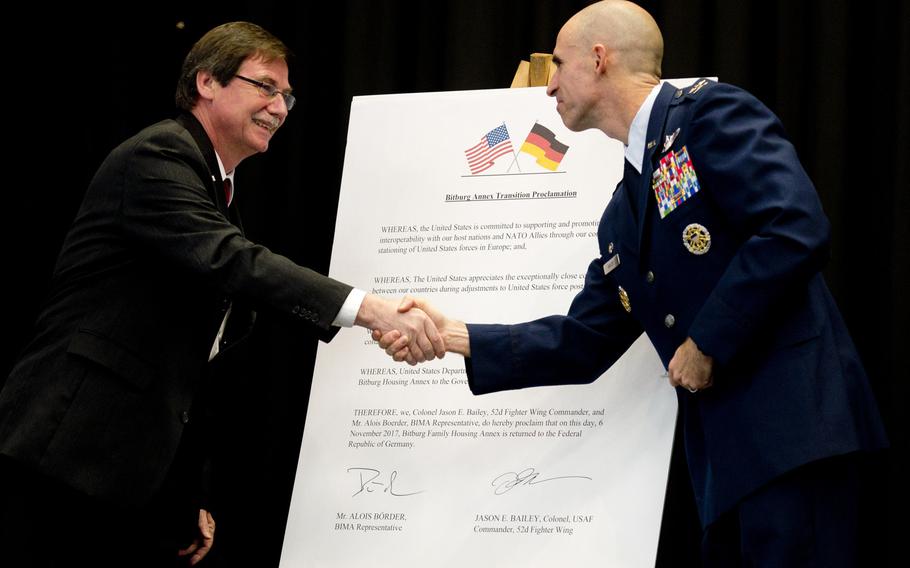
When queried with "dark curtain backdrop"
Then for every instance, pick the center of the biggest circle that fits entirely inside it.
(836, 72)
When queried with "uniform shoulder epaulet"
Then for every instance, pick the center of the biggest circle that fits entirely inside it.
(690, 91)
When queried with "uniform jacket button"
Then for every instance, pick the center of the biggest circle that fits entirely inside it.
(184, 417)
(649, 277)
(296, 310)
(669, 320)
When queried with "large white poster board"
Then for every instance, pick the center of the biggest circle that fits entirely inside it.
(402, 466)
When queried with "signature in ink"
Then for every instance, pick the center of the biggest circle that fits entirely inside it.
(370, 482)
(510, 480)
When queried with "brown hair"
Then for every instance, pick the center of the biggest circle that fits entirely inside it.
(221, 51)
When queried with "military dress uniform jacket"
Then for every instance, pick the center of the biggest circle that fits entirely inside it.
(735, 265)
(102, 394)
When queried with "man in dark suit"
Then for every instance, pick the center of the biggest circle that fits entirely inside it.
(102, 450)
(711, 244)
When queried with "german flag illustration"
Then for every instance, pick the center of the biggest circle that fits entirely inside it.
(543, 145)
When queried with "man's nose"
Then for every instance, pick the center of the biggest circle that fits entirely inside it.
(278, 107)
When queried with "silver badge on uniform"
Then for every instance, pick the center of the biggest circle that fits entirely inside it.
(669, 139)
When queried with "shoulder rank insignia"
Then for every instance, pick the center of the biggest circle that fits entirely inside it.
(674, 181)
(696, 239)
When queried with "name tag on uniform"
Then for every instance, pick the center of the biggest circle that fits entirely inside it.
(611, 264)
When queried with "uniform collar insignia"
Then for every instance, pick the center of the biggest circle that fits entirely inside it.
(697, 86)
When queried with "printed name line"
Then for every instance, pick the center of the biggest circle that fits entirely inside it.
(507, 199)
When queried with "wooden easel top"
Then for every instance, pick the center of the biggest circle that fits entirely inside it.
(535, 73)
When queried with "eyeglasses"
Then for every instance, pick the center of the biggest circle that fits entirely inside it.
(270, 91)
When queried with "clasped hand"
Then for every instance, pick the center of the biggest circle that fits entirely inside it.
(454, 332)
(415, 334)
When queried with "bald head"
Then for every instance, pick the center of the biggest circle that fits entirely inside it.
(623, 27)
(607, 61)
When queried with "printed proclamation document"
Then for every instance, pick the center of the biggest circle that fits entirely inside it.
(485, 204)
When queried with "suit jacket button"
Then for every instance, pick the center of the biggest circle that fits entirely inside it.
(184, 417)
(296, 310)
(649, 277)
(669, 320)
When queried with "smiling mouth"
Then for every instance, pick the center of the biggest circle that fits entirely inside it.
(270, 126)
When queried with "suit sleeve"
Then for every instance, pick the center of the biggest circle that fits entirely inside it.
(752, 173)
(573, 349)
(165, 208)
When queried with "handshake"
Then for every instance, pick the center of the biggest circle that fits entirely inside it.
(413, 331)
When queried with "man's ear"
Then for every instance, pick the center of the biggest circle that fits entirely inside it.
(205, 84)
(602, 58)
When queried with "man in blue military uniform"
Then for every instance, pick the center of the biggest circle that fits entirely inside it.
(712, 244)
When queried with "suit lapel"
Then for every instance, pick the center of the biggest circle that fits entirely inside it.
(216, 191)
(656, 123)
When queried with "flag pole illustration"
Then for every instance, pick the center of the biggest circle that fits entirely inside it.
(543, 145)
(493, 145)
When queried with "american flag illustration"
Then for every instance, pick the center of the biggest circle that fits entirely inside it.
(494, 144)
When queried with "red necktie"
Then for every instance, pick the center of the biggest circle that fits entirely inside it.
(228, 191)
